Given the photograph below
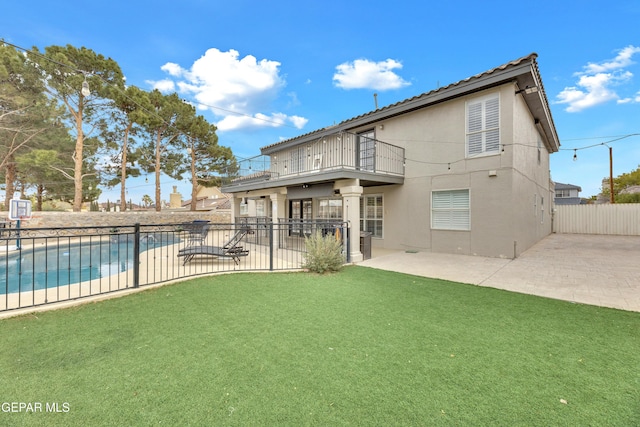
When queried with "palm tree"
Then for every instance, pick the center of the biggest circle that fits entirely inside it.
(147, 200)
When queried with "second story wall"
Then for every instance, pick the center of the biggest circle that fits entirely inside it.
(435, 138)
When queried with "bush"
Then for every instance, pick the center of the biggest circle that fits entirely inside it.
(324, 254)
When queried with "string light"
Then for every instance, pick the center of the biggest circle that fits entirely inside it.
(85, 87)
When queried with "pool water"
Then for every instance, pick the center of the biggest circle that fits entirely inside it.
(60, 265)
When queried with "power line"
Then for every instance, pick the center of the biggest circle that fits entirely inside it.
(601, 143)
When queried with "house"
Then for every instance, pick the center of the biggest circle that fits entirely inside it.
(461, 169)
(567, 194)
(209, 199)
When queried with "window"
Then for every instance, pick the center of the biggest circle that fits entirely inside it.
(260, 208)
(330, 209)
(371, 210)
(483, 126)
(450, 210)
(563, 193)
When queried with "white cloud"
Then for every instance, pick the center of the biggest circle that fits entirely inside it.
(236, 89)
(293, 99)
(164, 86)
(621, 61)
(259, 120)
(172, 69)
(365, 74)
(597, 83)
(298, 121)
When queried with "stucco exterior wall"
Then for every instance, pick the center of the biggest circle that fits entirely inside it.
(532, 187)
(434, 140)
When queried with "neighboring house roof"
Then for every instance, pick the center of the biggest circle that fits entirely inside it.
(209, 204)
(567, 200)
(561, 186)
(523, 71)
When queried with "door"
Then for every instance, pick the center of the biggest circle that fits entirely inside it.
(367, 151)
(300, 214)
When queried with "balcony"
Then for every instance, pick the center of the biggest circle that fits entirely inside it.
(329, 158)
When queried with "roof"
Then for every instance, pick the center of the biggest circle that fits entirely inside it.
(207, 203)
(523, 71)
(561, 186)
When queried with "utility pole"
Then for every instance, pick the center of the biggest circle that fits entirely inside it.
(611, 198)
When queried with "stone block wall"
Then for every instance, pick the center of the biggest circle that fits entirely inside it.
(89, 219)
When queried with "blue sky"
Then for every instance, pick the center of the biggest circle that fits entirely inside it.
(265, 71)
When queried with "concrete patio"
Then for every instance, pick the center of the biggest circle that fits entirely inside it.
(587, 269)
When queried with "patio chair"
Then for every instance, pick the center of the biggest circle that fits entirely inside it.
(231, 249)
(197, 232)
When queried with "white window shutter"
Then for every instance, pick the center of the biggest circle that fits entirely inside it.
(450, 210)
(492, 125)
(483, 126)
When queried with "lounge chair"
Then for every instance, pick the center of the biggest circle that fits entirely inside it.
(231, 249)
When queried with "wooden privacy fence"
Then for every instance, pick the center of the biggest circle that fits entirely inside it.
(616, 219)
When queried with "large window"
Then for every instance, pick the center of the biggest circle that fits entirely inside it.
(330, 208)
(450, 210)
(483, 126)
(261, 210)
(371, 210)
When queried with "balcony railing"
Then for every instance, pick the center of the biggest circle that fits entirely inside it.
(338, 152)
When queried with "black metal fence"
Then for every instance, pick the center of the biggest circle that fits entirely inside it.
(48, 265)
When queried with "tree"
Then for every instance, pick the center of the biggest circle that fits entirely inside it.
(207, 159)
(621, 183)
(26, 114)
(36, 167)
(131, 109)
(82, 81)
(147, 200)
(170, 115)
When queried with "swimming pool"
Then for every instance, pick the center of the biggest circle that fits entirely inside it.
(65, 264)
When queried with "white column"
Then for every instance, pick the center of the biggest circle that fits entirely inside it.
(235, 208)
(278, 206)
(351, 213)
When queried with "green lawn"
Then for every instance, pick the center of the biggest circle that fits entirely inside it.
(361, 347)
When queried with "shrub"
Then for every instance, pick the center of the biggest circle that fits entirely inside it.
(324, 254)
